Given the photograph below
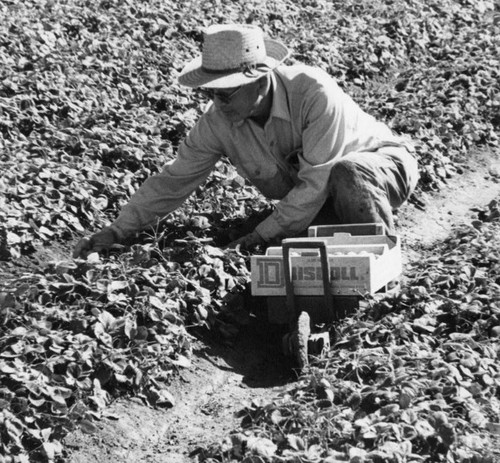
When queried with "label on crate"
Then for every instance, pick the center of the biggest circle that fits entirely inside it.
(307, 276)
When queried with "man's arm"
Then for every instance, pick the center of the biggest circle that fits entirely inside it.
(162, 193)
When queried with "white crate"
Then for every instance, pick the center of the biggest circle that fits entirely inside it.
(358, 264)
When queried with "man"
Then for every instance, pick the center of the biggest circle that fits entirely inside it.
(290, 130)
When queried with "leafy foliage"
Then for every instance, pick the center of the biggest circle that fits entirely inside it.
(82, 333)
(89, 107)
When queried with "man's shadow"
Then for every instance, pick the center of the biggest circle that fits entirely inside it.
(254, 350)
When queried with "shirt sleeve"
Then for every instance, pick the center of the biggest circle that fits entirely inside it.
(323, 125)
(163, 193)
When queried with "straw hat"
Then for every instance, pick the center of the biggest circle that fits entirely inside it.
(232, 55)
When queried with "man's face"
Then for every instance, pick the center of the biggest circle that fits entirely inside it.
(237, 103)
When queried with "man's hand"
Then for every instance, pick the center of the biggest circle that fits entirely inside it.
(100, 241)
(246, 241)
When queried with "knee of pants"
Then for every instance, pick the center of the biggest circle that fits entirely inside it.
(344, 173)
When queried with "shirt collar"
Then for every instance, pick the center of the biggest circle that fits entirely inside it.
(279, 107)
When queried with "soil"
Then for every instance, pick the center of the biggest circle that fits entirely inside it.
(455, 204)
(223, 377)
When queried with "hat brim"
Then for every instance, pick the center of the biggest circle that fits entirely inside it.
(193, 74)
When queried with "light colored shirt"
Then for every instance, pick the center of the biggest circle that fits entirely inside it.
(312, 123)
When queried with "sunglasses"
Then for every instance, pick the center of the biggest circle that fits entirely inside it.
(223, 97)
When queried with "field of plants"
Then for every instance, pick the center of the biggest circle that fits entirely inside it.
(90, 106)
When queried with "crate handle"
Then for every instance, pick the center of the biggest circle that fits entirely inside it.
(325, 272)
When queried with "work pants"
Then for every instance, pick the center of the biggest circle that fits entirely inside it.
(368, 186)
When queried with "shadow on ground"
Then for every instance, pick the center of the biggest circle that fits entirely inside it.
(254, 353)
